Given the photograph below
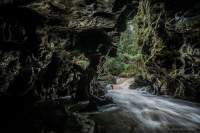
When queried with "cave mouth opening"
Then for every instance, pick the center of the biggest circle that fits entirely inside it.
(159, 45)
(50, 66)
(132, 46)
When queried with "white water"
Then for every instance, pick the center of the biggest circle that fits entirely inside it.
(154, 114)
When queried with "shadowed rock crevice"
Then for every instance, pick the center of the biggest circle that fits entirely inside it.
(40, 40)
(45, 32)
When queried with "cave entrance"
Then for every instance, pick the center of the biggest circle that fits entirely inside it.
(129, 60)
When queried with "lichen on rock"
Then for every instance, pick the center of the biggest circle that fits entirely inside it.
(170, 46)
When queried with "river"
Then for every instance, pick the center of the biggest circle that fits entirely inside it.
(136, 111)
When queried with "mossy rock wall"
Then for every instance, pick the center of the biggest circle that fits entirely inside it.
(40, 41)
(170, 46)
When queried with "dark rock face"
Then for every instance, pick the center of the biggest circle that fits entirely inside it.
(37, 39)
(174, 68)
(139, 83)
(38, 42)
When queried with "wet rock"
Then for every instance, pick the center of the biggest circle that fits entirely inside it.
(57, 118)
(121, 122)
(79, 107)
(96, 102)
(140, 82)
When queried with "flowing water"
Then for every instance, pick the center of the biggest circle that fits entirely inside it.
(152, 114)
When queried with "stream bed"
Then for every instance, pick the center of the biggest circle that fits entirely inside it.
(136, 111)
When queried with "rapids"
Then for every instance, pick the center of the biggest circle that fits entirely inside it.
(146, 113)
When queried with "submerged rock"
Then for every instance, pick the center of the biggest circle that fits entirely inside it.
(140, 82)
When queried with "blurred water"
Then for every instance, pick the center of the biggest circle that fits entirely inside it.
(155, 114)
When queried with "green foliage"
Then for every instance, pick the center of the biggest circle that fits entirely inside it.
(131, 59)
(128, 58)
(80, 60)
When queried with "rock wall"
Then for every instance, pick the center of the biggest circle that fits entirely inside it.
(40, 44)
(172, 48)
(40, 38)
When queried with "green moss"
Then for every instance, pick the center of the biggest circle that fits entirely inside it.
(80, 60)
